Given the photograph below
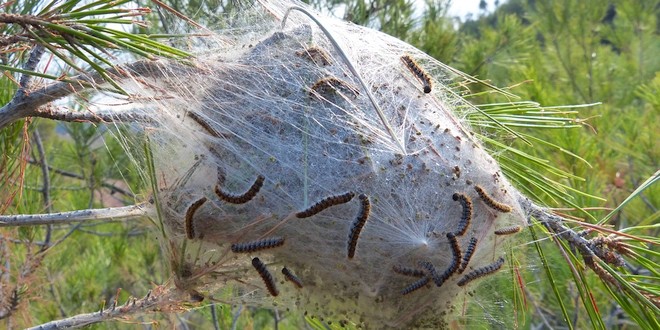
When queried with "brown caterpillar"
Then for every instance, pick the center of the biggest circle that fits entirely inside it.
(266, 276)
(408, 271)
(331, 84)
(291, 277)
(466, 216)
(417, 71)
(316, 55)
(508, 230)
(415, 286)
(204, 123)
(468, 254)
(490, 201)
(325, 203)
(358, 225)
(480, 272)
(259, 245)
(190, 229)
(242, 198)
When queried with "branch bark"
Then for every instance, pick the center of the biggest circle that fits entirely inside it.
(106, 214)
(28, 105)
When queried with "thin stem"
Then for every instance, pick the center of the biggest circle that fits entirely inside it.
(113, 188)
(45, 190)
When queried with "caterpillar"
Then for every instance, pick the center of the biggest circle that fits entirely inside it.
(468, 254)
(259, 245)
(204, 123)
(466, 216)
(415, 286)
(242, 198)
(291, 277)
(455, 261)
(408, 271)
(417, 71)
(266, 276)
(508, 230)
(325, 203)
(331, 84)
(490, 201)
(480, 272)
(190, 229)
(432, 272)
(358, 224)
(316, 55)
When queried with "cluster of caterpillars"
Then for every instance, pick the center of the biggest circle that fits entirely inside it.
(274, 242)
(460, 260)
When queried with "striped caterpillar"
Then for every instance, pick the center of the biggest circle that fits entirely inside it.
(480, 272)
(331, 84)
(242, 198)
(466, 216)
(259, 245)
(490, 201)
(325, 203)
(358, 224)
(204, 123)
(408, 271)
(418, 72)
(416, 285)
(266, 276)
(190, 229)
(433, 273)
(508, 230)
(468, 254)
(455, 261)
(292, 278)
(316, 55)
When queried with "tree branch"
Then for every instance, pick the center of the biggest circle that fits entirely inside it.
(28, 106)
(108, 214)
(155, 300)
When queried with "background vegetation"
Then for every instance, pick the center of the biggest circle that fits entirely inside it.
(551, 52)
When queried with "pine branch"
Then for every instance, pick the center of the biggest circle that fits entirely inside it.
(106, 214)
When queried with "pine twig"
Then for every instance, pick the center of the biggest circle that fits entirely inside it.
(107, 214)
(28, 106)
(155, 300)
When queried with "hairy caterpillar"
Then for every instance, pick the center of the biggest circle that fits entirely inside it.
(259, 245)
(358, 224)
(316, 55)
(468, 254)
(204, 123)
(325, 203)
(416, 285)
(266, 276)
(408, 271)
(466, 216)
(291, 277)
(190, 229)
(508, 230)
(480, 272)
(455, 261)
(432, 272)
(330, 84)
(242, 198)
(490, 201)
(417, 71)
